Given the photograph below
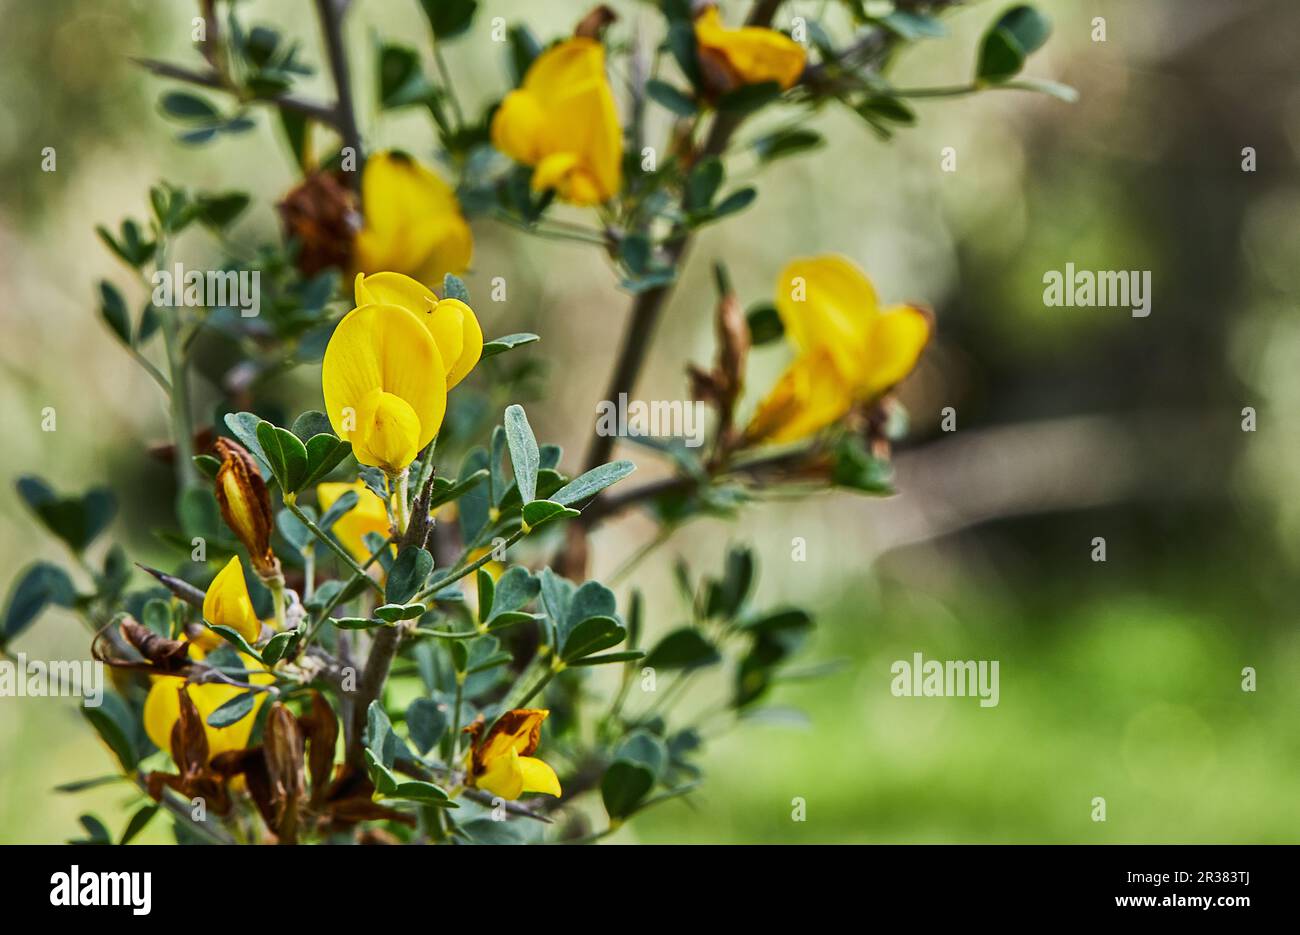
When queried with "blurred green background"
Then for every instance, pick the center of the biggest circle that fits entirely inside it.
(1120, 680)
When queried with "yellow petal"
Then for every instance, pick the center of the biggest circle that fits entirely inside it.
(502, 776)
(471, 338)
(445, 325)
(538, 776)
(565, 108)
(898, 336)
(519, 127)
(755, 53)
(383, 347)
(413, 222)
(162, 708)
(369, 515)
(809, 396)
(227, 604)
(826, 302)
(387, 433)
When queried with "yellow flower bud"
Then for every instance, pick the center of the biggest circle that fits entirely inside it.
(227, 604)
(246, 505)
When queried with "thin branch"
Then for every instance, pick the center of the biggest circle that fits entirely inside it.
(211, 79)
(331, 13)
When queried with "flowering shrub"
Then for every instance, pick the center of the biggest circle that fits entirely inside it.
(375, 621)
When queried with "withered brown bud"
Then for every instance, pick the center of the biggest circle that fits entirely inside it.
(594, 23)
(322, 215)
(170, 656)
(721, 386)
(283, 748)
(246, 505)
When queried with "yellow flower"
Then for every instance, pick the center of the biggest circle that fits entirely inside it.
(849, 349)
(451, 322)
(227, 604)
(385, 385)
(413, 223)
(562, 122)
(162, 707)
(748, 55)
(502, 763)
(369, 515)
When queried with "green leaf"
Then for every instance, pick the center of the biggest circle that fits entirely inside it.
(778, 621)
(233, 711)
(114, 723)
(346, 501)
(216, 212)
(449, 18)
(243, 425)
(765, 325)
(737, 201)
(285, 453)
(190, 107)
(591, 636)
(427, 721)
(113, 309)
(524, 49)
(785, 143)
(664, 94)
(446, 490)
(235, 639)
(623, 787)
(537, 512)
(417, 790)
(40, 585)
(75, 520)
(453, 287)
(524, 456)
(311, 423)
(1052, 88)
(408, 575)
(507, 343)
(607, 658)
(392, 613)
(645, 749)
(139, 821)
(592, 482)
(278, 646)
(703, 183)
(486, 592)
(912, 26)
(685, 648)
(1000, 57)
(356, 623)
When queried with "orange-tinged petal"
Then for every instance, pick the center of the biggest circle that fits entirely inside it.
(809, 396)
(756, 54)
